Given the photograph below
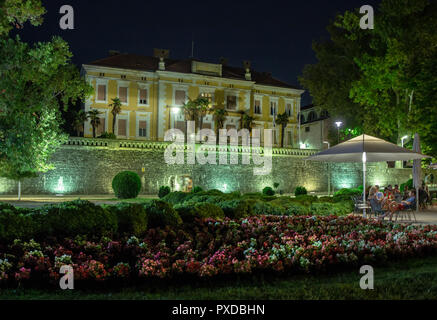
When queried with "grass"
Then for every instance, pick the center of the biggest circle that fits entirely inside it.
(410, 279)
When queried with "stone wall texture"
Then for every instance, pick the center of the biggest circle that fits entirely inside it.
(89, 169)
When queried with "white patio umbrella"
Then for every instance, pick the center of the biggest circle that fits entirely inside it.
(417, 169)
(365, 149)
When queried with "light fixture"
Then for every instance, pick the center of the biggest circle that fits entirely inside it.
(338, 124)
(303, 145)
(175, 110)
(402, 140)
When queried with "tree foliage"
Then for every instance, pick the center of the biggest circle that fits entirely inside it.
(390, 71)
(36, 81)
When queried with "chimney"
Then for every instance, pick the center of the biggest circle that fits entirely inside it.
(114, 53)
(223, 61)
(161, 54)
(246, 65)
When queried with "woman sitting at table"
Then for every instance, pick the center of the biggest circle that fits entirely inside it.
(393, 206)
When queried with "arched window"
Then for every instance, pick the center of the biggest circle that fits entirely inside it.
(312, 116)
(302, 118)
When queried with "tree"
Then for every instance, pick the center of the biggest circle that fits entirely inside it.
(282, 120)
(219, 116)
(36, 82)
(247, 121)
(195, 110)
(14, 13)
(80, 117)
(383, 77)
(116, 109)
(93, 115)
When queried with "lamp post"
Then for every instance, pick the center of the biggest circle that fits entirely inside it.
(338, 124)
(329, 172)
(402, 143)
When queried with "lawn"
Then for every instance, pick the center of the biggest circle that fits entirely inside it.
(408, 279)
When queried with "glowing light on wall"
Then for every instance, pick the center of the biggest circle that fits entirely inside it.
(60, 188)
(225, 187)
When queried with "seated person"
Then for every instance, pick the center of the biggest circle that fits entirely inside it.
(408, 202)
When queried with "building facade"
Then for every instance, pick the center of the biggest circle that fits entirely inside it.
(314, 129)
(153, 89)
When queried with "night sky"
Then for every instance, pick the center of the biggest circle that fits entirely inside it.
(275, 35)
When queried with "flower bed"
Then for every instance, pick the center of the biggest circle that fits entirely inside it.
(210, 248)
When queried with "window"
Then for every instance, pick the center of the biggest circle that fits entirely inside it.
(143, 78)
(231, 102)
(122, 126)
(142, 129)
(122, 94)
(123, 76)
(143, 96)
(288, 109)
(257, 107)
(180, 97)
(290, 139)
(312, 116)
(101, 92)
(307, 129)
(273, 108)
(102, 74)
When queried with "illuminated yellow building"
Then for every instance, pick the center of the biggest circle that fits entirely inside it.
(153, 88)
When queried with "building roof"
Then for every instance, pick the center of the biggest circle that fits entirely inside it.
(148, 63)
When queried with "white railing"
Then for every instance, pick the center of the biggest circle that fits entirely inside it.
(161, 145)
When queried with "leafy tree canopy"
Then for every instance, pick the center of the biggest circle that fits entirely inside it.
(14, 13)
(381, 79)
(36, 81)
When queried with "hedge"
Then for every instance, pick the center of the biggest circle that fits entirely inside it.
(189, 211)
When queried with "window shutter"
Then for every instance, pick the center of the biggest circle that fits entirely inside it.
(179, 97)
(232, 102)
(122, 123)
(101, 92)
(122, 91)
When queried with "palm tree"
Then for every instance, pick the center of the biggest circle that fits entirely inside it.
(219, 116)
(80, 118)
(247, 121)
(93, 115)
(116, 109)
(282, 120)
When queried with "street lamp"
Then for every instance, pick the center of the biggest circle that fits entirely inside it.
(329, 171)
(402, 140)
(338, 124)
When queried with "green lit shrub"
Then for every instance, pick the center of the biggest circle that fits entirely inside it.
(325, 208)
(305, 200)
(73, 218)
(237, 208)
(14, 225)
(409, 184)
(126, 185)
(296, 209)
(268, 208)
(107, 135)
(326, 199)
(163, 191)
(161, 214)
(300, 191)
(176, 197)
(197, 189)
(189, 211)
(131, 218)
(268, 191)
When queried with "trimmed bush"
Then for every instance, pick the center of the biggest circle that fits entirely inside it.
(325, 208)
(131, 217)
(126, 185)
(268, 191)
(14, 225)
(163, 191)
(161, 214)
(268, 208)
(300, 191)
(107, 135)
(176, 197)
(296, 209)
(237, 208)
(189, 211)
(197, 189)
(305, 200)
(75, 218)
(326, 199)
